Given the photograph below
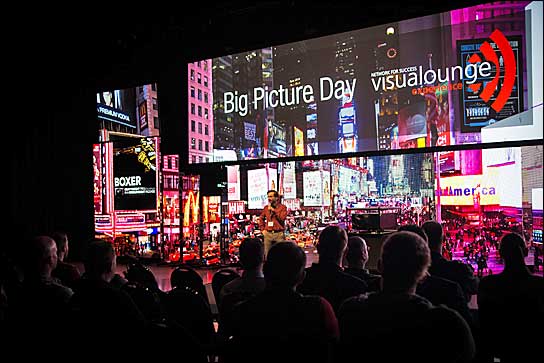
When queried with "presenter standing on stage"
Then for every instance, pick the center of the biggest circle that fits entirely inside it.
(272, 221)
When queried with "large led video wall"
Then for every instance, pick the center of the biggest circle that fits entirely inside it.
(507, 180)
(472, 75)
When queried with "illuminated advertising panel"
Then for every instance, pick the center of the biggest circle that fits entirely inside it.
(478, 112)
(210, 212)
(506, 162)
(537, 201)
(272, 175)
(465, 190)
(103, 223)
(132, 110)
(142, 113)
(257, 187)
(135, 174)
(106, 174)
(438, 117)
(466, 67)
(536, 198)
(326, 180)
(312, 188)
(312, 148)
(500, 157)
(233, 182)
(510, 185)
(130, 222)
(447, 162)
(292, 204)
(190, 208)
(118, 106)
(348, 180)
(289, 181)
(171, 207)
(276, 139)
(250, 131)
(237, 207)
(412, 123)
(469, 162)
(97, 179)
(348, 144)
(299, 142)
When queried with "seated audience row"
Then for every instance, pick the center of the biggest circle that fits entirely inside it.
(278, 309)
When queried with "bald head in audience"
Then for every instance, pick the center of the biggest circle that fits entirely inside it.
(357, 253)
(41, 257)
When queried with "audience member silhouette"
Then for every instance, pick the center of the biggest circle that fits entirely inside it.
(65, 272)
(356, 259)
(279, 324)
(246, 286)
(510, 306)
(98, 305)
(326, 278)
(43, 300)
(394, 324)
(439, 290)
(456, 271)
(252, 279)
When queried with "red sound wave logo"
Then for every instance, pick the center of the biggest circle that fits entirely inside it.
(509, 70)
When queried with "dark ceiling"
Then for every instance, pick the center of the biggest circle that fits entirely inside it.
(114, 45)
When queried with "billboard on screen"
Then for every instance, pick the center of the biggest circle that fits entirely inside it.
(135, 174)
(289, 180)
(326, 184)
(438, 80)
(118, 106)
(259, 182)
(233, 182)
(477, 112)
(313, 188)
(536, 198)
(130, 110)
(470, 190)
(97, 179)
